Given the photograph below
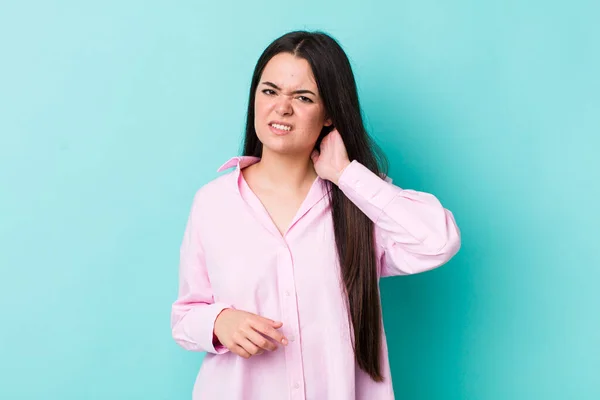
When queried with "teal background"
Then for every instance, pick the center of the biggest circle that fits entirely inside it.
(113, 113)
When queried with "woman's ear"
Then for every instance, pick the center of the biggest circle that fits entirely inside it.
(328, 122)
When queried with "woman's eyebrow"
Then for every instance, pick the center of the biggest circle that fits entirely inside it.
(301, 91)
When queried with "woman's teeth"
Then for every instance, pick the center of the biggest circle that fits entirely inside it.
(281, 127)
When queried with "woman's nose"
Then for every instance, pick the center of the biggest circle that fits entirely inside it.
(284, 105)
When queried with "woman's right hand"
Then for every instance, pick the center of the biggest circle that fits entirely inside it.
(247, 334)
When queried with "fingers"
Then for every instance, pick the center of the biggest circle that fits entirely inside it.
(260, 341)
(276, 325)
(240, 351)
(269, 328)
(249, 347)
(255, 335)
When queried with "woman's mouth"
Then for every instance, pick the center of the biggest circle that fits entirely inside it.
(280, 129)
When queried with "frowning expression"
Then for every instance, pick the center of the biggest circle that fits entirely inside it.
(288, 111)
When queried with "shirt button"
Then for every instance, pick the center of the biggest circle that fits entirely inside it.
(292, 338)
(287, 292)
(358, 184)
(296, 385)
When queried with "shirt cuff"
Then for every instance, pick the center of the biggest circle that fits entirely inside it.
(203, 326)
(218, 347)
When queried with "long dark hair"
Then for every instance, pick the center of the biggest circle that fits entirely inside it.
(354, 233)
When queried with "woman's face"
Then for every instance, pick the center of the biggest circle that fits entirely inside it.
(288, 111)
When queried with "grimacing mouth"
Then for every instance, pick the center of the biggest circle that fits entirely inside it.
(281, 125)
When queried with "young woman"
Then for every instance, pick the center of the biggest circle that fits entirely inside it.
(281, 256)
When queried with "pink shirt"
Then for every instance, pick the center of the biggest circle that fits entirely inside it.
(232, 255)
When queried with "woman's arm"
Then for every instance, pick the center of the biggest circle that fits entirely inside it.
(415, 231)
(194, 312)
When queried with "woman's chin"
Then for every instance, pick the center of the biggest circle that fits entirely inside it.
(284, 144)
(281, 147)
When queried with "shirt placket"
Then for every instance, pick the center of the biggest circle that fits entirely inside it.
(291, 323)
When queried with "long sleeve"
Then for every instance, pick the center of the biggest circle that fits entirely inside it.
(415, 231)
(194, 312)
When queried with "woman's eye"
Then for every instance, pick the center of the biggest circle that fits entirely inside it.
(268, 91)
(305, 99)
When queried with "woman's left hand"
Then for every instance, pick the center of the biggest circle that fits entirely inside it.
(333, 158)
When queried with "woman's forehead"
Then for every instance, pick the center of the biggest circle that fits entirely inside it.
(289, 72)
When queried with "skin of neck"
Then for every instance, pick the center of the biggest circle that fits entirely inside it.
(288, 172)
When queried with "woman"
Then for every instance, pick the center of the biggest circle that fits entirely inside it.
(281, 257)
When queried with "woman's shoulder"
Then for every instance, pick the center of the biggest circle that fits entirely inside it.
(216, 188)
(219, 189)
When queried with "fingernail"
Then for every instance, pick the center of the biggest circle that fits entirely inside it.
(284, 341)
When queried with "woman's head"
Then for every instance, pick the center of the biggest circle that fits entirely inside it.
(315, 63)
(289, 113)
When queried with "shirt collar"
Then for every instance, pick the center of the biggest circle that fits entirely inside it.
(319, 190)
(239, 162)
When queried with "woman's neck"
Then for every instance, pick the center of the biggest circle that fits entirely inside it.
(285, 171)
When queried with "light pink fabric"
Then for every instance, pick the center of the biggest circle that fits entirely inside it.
(232, 255)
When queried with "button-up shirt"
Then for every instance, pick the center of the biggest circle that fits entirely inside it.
(233, 256)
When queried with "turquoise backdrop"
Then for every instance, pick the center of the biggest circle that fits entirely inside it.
(113, 113)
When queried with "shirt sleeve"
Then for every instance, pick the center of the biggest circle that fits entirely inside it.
(414, 230)
(194, 312)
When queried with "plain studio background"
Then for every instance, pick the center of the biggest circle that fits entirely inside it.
(113, 113)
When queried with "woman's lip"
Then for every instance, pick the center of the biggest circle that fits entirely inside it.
(278, 131)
